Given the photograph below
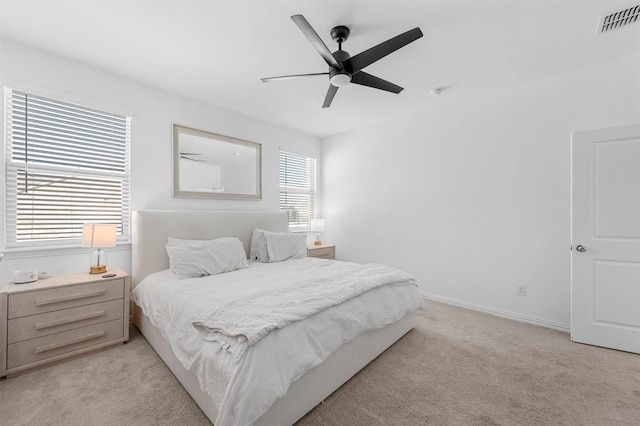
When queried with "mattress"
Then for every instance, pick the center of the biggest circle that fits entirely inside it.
(244, 384)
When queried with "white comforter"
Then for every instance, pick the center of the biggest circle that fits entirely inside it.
(245, 365)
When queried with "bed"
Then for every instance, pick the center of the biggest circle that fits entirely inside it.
(151, 230)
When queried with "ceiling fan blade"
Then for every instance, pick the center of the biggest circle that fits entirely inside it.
(369, 56)
(315, 40)
(288, 77)
(329, 97)
(364, 79)
(192, 159)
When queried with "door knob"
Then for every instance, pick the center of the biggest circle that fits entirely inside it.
(581, 248)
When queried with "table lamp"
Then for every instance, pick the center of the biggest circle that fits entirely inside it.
(98, 236)
(317, 225)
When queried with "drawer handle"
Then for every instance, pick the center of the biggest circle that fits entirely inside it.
(72, 319)
(70, 342)
(71, 297)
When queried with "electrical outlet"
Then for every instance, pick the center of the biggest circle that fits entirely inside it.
(521, 290)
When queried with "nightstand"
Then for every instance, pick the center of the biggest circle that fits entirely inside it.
(322, 251)
(61, 316)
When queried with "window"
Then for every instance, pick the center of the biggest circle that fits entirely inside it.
(66, 164)
(298, 189)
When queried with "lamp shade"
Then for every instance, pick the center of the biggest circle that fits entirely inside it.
(98, 235)
(317, 225)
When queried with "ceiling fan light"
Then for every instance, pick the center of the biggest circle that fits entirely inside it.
(340, 80)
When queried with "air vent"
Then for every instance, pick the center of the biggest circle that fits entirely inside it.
(619, 19)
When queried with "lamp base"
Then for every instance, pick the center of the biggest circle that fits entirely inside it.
(317, 243)
(98, 269)
(98, 262)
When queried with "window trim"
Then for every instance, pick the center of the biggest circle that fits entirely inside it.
(60, 244)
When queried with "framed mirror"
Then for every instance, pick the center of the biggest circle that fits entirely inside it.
(208, 165)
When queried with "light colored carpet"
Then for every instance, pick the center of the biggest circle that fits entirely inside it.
(457, 367)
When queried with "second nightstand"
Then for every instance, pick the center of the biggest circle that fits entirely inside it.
(323, 251)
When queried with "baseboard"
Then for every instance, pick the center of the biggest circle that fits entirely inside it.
(504, 314)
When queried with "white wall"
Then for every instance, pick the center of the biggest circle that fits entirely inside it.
(153, 111)
(474, 197)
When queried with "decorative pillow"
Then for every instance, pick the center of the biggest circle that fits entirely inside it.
(285, 245)
(200, 258)
(258, 249)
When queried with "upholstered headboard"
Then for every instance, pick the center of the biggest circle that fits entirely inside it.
(152, 227)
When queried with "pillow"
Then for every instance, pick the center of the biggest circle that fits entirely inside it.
(200, 258)
(180, 241)
(258, 248)
(285, 245)
(174, 241)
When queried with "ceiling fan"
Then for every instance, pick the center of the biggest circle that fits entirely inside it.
(345, 69)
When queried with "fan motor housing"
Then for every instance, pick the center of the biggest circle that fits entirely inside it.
(341, 56)
(339, 77)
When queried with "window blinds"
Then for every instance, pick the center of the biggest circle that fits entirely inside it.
(298, 188)
(66, 165)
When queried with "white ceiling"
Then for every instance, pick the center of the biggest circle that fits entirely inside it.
(217, 51)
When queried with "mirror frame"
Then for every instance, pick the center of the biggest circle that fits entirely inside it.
(214, 137)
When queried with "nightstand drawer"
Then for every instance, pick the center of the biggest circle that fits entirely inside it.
(56, 344)
(322, 252)
(37, 302)
(33, 326)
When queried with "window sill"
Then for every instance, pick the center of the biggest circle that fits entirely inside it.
(29, 252)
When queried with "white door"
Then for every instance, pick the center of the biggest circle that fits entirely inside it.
(605, 287)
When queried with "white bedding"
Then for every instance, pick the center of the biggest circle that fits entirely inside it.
(244, 387)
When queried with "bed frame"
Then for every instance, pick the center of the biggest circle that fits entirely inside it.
(150, 231)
